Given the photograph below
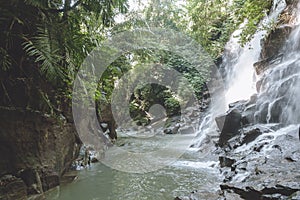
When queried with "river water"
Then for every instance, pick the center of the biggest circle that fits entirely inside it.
(188, 173)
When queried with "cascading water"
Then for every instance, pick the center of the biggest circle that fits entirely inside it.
(265, 151)
(278, 94)
(239, 72)
(240, 79)
(278, 101)
(275, 149)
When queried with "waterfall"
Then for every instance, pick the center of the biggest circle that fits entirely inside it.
(278, 101)
(239, 72)
(240, 76)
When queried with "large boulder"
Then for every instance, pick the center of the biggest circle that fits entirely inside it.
(229, 125)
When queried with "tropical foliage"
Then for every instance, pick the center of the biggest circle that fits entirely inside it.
(213, 22)
(56, 35)
(49, 39)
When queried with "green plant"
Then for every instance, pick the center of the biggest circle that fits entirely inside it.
(172, 106)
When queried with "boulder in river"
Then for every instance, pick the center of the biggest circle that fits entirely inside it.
(172, 129)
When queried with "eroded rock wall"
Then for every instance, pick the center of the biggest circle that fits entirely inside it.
(38, 140)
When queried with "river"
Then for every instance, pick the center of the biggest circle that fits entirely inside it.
(188, 173)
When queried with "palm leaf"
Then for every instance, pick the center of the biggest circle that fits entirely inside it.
(44, 50)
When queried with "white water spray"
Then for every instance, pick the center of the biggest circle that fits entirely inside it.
(241, 77)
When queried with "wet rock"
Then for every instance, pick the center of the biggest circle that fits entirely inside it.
(272, 45)
(240, 165)
(255, 176)
(258, 85)
(12, 188)
(228, 175)
(229, 125)
(250, 136)
(295, 196)
(263, 65)
(230, 195)
(68, 178)
(289, 14)
(106, 119)
(260, 116)
(226, 162)
(32, 180)
(50, 179)
(247, 193)
(194, 112)
(252, 100)
(276, 192)
(94, 160)
(30, 138)
(168, 131)
(238, 105)
(172, 130)
(276, 110)
(248, 115)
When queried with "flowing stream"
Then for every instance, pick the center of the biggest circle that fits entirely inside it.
(186, 174)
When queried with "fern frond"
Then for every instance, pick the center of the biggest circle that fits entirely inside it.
(45, 51)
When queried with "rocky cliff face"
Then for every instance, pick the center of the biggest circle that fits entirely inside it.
(38, 141)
